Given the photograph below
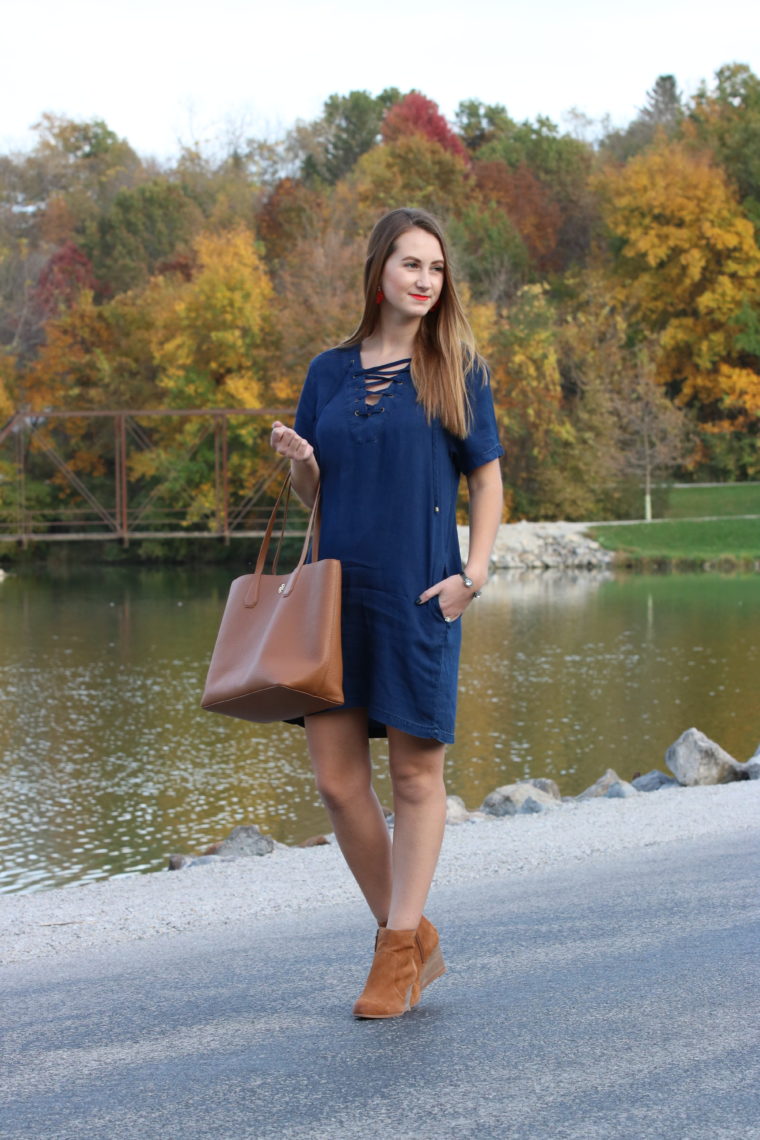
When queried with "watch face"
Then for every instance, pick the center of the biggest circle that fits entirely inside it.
(467, 581)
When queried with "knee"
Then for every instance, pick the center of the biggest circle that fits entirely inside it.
(337, 793)
(417, 785)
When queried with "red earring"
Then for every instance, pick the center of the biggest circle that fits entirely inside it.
(435, 306)
(379, 296)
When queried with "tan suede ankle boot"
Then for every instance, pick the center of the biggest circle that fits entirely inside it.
(393, 976)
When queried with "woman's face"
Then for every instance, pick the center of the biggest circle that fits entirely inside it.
(413, 275)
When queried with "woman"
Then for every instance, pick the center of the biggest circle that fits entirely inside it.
(388, 421)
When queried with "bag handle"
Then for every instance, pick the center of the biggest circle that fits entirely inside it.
(252, 595)
(287, 487)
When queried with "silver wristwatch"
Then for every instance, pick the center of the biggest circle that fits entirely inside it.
(468, 583)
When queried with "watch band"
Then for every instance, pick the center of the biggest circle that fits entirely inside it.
(469, 583)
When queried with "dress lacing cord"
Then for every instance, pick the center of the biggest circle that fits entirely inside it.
(375, 383)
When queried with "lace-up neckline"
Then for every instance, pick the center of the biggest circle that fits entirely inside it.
(377, 380)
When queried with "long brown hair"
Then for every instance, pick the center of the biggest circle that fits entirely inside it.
(444, 347)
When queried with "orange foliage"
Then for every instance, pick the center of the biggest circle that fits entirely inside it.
(529, 205)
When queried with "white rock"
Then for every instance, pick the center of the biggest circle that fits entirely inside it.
(601, 786)
(456, 812)
(695, 760)
(510, 798)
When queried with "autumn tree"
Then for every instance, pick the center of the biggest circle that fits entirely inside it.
(687, 267)
(561, 163)
(290, 212)
(580, 478)
(63, 277)
(653, 434)
(7, 386)
(142, 227)
(528, 203)
(319, 288)
(94, 356)
(415, 114)
(213, 339)
(413, 171)
(522, 353)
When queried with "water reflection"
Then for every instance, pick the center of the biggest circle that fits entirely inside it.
(108, 765)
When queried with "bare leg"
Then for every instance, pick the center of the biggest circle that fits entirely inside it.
(420, 815)
(339, 749)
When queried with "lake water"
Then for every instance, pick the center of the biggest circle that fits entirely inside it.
(108, 765)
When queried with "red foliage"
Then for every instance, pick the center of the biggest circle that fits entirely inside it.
(181, 265)
(285, 217)
(417, 115)
(67, 272)
(529, 204)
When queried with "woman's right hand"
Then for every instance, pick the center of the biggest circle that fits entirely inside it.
(286, 442)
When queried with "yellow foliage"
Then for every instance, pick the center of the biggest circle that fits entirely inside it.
(483, 319)
(521, 350)
(212, 334)
(688, 262)
(7, 386)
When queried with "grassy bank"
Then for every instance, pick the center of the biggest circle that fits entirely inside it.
(711, 500)
(684, 543)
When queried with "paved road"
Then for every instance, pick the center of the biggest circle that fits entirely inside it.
(610, 1000)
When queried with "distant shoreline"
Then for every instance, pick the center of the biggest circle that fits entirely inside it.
(672, 545)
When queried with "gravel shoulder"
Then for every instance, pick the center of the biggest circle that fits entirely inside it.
(70, 921)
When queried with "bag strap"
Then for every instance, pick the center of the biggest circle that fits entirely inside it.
(287, 487)
(252, 594)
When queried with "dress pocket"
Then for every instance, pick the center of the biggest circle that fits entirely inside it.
(435, 607)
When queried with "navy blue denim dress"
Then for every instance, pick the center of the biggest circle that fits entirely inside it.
(389, 491)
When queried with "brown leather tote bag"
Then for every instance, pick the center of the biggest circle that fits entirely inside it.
(278, 652)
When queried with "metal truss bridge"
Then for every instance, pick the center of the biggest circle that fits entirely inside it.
(45, 496)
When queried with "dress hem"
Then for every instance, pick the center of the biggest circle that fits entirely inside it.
(379, 720)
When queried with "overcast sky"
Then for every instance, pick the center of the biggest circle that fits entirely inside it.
(168, 72)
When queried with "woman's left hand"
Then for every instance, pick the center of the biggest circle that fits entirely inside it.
(453, 596)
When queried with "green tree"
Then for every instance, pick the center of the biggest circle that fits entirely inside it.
(726, 118)
(143, 227)
(662, 115)
(489, 252)
(330, 147)
(480, 123)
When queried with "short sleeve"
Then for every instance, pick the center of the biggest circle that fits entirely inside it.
(306, 413)
(481, 444)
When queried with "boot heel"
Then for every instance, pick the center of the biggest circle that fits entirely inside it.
(434, 967)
